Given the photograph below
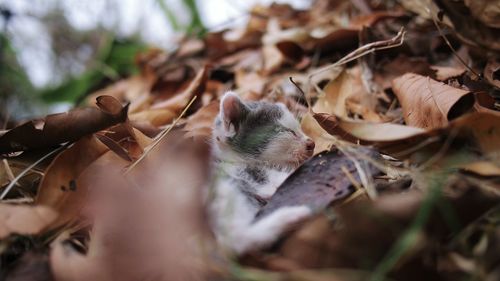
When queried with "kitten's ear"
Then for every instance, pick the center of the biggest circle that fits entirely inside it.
(232, 110)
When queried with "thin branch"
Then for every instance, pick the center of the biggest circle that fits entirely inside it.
(396, 41)
(441, 33)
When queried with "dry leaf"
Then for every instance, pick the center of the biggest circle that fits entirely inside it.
(482, 168)
(488, 12)
(62, 127)
(158, 226)
(59, 188)
(24, 220)
(430, 104)
(200, 124)
(346, 95)
(196, 88)
(492, 72)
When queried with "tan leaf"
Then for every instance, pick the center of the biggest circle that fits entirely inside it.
(196, 88)
(430, 104)
(59, 189)
(482, 168)
(345, 95)
(23, 219)
(155, 117)
(200, 124)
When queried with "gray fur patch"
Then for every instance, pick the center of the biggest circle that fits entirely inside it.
(258, 175)
(257, 128)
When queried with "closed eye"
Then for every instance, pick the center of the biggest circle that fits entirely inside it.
(292, 132)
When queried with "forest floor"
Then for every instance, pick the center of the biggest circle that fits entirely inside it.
(401, 100)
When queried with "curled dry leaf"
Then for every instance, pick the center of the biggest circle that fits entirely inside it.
(345, 96)
(483, 129)
(24, 220)
(62, 127)
(430, 104)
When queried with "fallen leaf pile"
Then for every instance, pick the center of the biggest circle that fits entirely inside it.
(401, 99)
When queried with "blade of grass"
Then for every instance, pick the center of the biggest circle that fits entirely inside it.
(21, 174)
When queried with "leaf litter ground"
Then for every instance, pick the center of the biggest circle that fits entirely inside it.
(405, 181)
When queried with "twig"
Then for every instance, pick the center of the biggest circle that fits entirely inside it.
(449, 44)
(301, 91)
(8, 170)
(160, 137)
(396, 41)
(21, 174)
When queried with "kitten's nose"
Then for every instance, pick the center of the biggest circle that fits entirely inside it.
(310, 145)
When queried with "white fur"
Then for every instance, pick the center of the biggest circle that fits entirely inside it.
(234, 219)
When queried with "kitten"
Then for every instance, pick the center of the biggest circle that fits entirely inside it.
(256, 145)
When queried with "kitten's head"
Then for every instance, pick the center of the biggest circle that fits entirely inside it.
(259, 132)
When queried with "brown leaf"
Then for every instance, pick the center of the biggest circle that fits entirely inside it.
(348, 241)
(482, 168)
(291, 50)
(492, 72)
(218, 46)
(430, 104)
(485, 103)
(200, 124)
(488, 12)
(196, 88)
(374, 17)
(24, 220)
(402, 64)
(483, 129)
(154, 117)
(59, 187)
(63, 127)
(346, 95)
(340, 40)
(158, 226)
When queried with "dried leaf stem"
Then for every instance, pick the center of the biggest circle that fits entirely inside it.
(369, 48)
